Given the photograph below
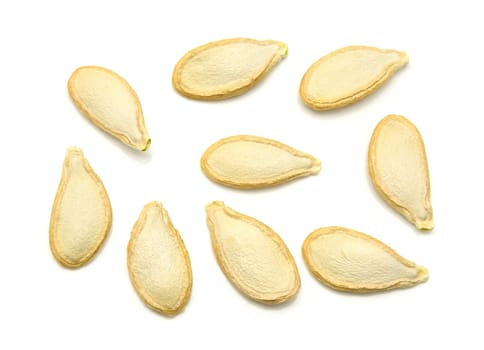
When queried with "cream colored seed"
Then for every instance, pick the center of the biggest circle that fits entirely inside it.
(110, 103)
(347, 75)
(245, 161)
(226, 68)
(158, 262)
(81, 215)
(252, 256)
(351, 261)
(398, 169)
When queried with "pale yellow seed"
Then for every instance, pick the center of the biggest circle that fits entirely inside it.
(226, 68)
(246, 162)
(110, 103)
(252, 256)
(158, 262)
(351, 261)
(347, 75)
(398, 169)
(81, 215)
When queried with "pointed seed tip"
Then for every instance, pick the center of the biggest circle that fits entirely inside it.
(425, 225)
(154, 203)
(423, 273)
(284, 49)
(74, 149)
(404, 57)
(147, 145)
(210, 205)
(316, 168)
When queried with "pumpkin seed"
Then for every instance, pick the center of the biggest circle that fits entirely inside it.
(108, 101)
(398, 169)
(245, 161)
(158, 262)
(226, 68)
(81, 215)
(252, 256)
(351, 261)
(347, 75)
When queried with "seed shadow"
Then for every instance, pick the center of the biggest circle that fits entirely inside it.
(366, 294)
(266, 306)
(262, 190)
(143, 157)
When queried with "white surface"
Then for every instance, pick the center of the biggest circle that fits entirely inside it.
(45, 305)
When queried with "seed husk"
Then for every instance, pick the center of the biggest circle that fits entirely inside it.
(352, 261)
(248, 162)
(158, 262)
(81, 214)
(109, 102)
(347, 75)
(226, 68)
(397, 164)
(252, 256)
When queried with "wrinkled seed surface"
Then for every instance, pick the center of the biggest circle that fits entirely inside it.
(351, 261)
(225, 68)
(81, 214)
(108, 101)
(347, 75)
(398, 169)
(252, 256)
(158, 262)
(245, 161)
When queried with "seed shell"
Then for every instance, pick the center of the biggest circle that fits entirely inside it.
(158, 262)
(226, 68)
(352, 261)
(398, 168)
(81, 215)
(109, 102)
(348, 75)
(252, 256)
(250, 162)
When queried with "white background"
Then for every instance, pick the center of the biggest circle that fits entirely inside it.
(45, 305)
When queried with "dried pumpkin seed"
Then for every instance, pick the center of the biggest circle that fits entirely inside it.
(398, 168)
(108, 101)
(226, 68)
(351, 261)
(81, 215)
(245, 161)
(252, 256)
(158, 262)
(347, 75)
